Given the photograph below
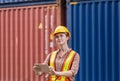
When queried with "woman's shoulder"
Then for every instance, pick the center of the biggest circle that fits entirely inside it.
(77, 54)
(74, 50)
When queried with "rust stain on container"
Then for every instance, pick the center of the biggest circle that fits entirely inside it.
(40, 26)
(24, 40)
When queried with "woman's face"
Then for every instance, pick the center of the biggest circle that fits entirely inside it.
(61, 38)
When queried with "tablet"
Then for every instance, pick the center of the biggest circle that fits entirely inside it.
(43, 68)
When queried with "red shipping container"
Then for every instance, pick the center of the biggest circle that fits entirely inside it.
(25, 40)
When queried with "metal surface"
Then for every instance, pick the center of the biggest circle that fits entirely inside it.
(88, 0)
(19, 1)
(24, 40)
(95, 28)
(8, 5)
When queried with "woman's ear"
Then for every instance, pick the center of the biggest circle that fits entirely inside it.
(68, 38)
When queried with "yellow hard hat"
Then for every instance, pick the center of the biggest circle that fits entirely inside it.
(61, 29)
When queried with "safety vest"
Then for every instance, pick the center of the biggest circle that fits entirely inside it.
(66, 65)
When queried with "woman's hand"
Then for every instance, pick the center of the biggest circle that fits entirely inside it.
(52, 71)
(62, 73)
(37, 69)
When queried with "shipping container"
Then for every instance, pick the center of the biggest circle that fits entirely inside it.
(21, 1)
(27, 3)
(87, 0)
(95, 28)
(25, 39)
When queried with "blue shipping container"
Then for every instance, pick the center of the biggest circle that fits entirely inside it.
(95, 28)
(17, 1)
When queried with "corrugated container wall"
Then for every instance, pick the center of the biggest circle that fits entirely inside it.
(95, 28)
(17, 1)
(24, 40)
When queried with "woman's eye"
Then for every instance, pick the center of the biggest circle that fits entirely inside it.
(61, 35)
(56, 36)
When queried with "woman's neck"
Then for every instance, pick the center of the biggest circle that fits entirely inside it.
(63, 48)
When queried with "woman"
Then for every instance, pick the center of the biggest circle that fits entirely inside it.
(64, 62)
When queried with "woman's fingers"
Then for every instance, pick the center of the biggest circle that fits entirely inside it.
(52, 71)
(36, 68)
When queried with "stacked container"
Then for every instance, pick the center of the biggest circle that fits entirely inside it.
(25, 38)
(26, 25)
(18, 1)
(95, 28)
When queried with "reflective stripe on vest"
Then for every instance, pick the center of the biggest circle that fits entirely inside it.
(52, 60)
(66, 65)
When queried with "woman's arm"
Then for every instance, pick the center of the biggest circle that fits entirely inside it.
(72, 72)
(64, 73)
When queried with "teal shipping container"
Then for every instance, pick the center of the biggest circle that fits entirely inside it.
(95, 29)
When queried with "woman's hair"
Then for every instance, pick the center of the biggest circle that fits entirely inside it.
(67, 36)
